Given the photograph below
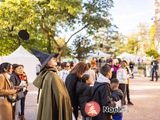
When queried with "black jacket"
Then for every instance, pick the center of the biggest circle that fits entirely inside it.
(71, 82)
(84, 96)
(102, 96)
(155, 65)
(117, 95)
(131, 65)
(15, 79)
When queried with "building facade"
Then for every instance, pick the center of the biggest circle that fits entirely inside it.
(157, 20)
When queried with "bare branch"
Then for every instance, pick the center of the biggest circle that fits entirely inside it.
(76, 33)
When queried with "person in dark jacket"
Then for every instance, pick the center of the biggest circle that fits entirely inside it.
(116, 96)
(16, 81)
(84, 94)
(155, 67)
(73, 77)
(131, 66)
(103, 93)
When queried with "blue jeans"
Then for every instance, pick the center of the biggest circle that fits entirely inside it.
(117, 117)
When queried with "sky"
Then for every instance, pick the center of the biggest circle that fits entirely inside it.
(127, 14)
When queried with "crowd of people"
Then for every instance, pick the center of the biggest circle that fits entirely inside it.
(81, 81)
(13, 82)
(65, 88)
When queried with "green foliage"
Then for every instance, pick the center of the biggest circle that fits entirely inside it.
(108, 38)
(40, 18)
(133, 45)
(141, 68)
(152, 52)
(96, 14)
(136, 43)
(153, 31)
(81, 46)
(44, 20)
(66, 49)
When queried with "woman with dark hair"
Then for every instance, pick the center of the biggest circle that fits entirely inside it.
(75, 76)
(5, 90)
(15, 79)
(72, 64)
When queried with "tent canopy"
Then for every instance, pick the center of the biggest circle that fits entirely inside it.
(23, 57)
(21, 52)
(99, 53)
(126, 55)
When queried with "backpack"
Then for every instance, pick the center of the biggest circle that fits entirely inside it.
(95, 92)
(155, 65)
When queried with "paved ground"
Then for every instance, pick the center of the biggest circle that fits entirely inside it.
(144, 94)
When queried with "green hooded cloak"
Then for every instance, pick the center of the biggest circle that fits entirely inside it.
(54, 101)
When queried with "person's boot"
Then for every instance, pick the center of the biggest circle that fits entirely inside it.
(20, 117)
(130, 103)
(23, 118)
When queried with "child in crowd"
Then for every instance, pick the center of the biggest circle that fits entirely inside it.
(116, 96)
(83, 89)
(86, 78)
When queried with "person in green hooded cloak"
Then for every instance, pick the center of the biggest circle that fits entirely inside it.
(54, 101)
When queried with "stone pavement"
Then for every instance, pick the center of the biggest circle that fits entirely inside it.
(144, 94)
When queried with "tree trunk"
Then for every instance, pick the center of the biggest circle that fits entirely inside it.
(60, 50)
(19, 41)
(49, 44)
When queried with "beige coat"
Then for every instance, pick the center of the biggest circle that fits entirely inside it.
(5, 106)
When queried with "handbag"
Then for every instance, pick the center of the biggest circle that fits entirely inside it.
(12, 98)
(15, 97)
(20, 95)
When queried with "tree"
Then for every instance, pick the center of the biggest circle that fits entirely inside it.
(45, 20)
(153, 31)
(81, 46)
(138, 42)
(120, 44)
(105, 39)
(132, 45)
(152, 52)
(44, 16)
(144, 38)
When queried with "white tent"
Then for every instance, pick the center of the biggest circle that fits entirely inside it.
(126, 56)
(100, 54)
(22, 56)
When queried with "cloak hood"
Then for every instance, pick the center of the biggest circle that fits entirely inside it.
(38, 82)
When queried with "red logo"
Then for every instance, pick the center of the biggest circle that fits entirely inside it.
(92, 109)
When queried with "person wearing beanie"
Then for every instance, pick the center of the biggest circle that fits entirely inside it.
(54, 101)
